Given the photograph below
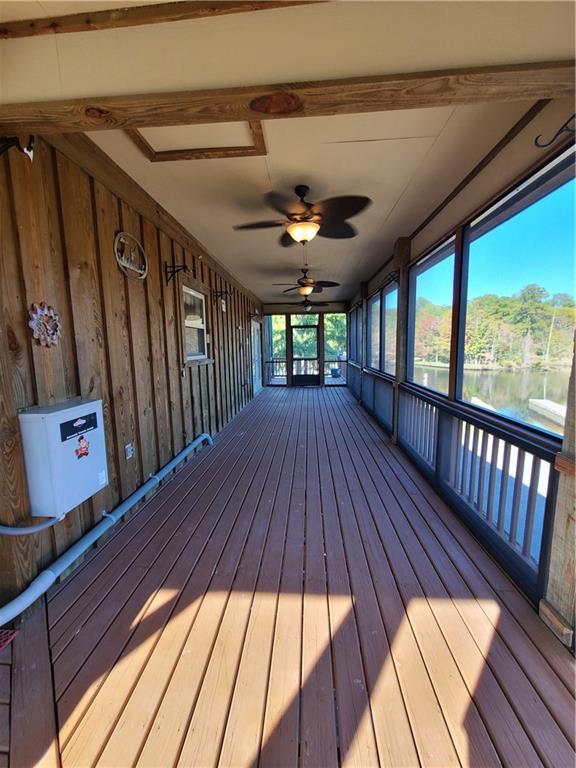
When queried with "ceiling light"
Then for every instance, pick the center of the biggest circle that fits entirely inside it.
(305, 290)
(303, 231)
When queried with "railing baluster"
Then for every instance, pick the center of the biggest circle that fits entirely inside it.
(473, 466)
(531, 506)
(516, 501)
(465, 460)
(482, 470)
(492, 479)
(503, 500)
(459, 456)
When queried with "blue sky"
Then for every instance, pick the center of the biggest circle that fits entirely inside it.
(535, 246)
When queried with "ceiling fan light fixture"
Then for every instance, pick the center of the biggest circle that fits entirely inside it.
(305, 290)
(303, 231)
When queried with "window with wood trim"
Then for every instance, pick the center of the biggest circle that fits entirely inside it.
(373, 334)
(430, 318)
(518, 300)
(389, 325)
(194, 331)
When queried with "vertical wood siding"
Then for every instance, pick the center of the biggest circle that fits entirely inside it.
(120, 338)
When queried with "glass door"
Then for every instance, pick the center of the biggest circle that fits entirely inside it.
(304, 346)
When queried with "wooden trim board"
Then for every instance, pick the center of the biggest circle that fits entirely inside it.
(475, 85)
(136, 16)
(257, 149)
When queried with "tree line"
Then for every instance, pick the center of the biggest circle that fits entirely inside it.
(531, 329)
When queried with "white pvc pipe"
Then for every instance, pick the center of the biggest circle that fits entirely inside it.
(42, 583)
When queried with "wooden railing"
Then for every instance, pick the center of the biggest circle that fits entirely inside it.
(378, 396)
(499, 475)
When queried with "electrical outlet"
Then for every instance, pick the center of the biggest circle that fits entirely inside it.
(129, 450)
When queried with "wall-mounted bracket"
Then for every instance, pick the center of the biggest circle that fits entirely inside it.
(568, 127)
(219, 294)
(24, 144)
(171, 270)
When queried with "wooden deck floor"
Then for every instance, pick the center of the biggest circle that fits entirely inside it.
(299, 596)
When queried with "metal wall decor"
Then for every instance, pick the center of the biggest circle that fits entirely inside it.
(24, 144)
(45, 324)
(130, 256)
(568, 127)
(171, 270)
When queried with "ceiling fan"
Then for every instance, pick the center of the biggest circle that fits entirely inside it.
(306, 285)
(307, 304)
(304, 220)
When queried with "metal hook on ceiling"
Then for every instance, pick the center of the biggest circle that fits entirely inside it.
(566, 128)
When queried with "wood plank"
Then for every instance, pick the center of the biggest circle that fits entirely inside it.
(136, 689)
(17, 557)
(17, 332)
(4, 728)
(40, 247)
(157, 341)
(34, 740)
(140, 345)
(185, 389)
(389, 712)
(318, 726)
(510, 673)
(171, 333)
(431, 733)
(243, 733)
(171, 718)
(206, 727)
(356, 737)
(472, 85)
(75, 674)
(491, 654)
(281, 727)
(114, 297)
(135, 16)
(4, 684)
(89, 325)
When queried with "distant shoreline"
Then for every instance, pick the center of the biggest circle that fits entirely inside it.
(511, 369)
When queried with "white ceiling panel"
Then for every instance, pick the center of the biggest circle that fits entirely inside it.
(198, 136)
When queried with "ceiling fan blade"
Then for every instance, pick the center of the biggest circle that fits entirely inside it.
(317, 289)
(319, 303)
(337, 230)
(327, 284)
(343, 207)
(261, 225)
(286, 241)
(284, 205)
(295, 288)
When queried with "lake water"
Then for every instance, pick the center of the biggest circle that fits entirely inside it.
(508, 392)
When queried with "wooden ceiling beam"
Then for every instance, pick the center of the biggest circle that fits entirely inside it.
(135, 16)
(516, 82)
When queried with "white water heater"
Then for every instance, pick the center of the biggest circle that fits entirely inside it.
(64, 454)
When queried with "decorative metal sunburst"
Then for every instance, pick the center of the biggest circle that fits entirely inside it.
(45, 324)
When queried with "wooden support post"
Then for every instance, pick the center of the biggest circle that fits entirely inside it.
(401, 262)
(558, 606)
(321, 361)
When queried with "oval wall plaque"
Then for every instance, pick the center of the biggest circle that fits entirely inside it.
(130, 256)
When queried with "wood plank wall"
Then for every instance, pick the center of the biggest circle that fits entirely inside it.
(120, 337)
